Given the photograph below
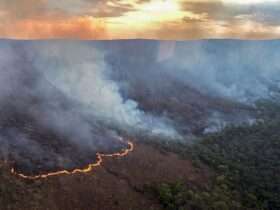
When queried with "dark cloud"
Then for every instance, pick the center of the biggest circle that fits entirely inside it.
(40, 9)
(211, 7)
(266, 13)
(113, 9)
(19, 9)
(96, 8)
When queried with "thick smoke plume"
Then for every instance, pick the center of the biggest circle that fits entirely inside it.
(59, 106)
(241, 70)
(62, 101)
(82, 74)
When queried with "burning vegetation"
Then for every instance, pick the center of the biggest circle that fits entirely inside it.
(65, 107)
(89, 168)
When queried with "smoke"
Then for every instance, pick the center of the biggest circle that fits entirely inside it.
(59, 106)
(62, 101)
(239, 70)
(81, 73)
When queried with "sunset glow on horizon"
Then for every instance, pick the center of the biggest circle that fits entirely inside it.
(129, 19)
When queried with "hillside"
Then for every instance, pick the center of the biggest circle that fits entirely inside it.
(198, 114)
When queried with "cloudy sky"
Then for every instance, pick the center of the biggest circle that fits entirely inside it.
(153, 19)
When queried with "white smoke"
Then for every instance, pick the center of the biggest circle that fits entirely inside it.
(81, 73)
(242, 71)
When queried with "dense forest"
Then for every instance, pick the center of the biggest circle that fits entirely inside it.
(245, 165)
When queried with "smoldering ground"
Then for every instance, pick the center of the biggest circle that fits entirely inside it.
(63, 101)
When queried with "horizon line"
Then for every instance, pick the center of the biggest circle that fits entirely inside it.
(137, 39)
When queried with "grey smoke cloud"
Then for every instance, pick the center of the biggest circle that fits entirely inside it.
(242, 71)
(58, 99)
(83, 75)
(85, 95)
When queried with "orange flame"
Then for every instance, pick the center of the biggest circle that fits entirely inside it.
(87, 169)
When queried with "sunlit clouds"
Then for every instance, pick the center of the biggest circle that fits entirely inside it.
(72, 28)
(250, 1)
(151, 19)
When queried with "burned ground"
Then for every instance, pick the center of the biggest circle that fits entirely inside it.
(47, 128)
(119, 184)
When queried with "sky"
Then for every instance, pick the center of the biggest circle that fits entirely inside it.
(147, 19)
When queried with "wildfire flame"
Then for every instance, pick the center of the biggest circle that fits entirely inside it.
(87, 169)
